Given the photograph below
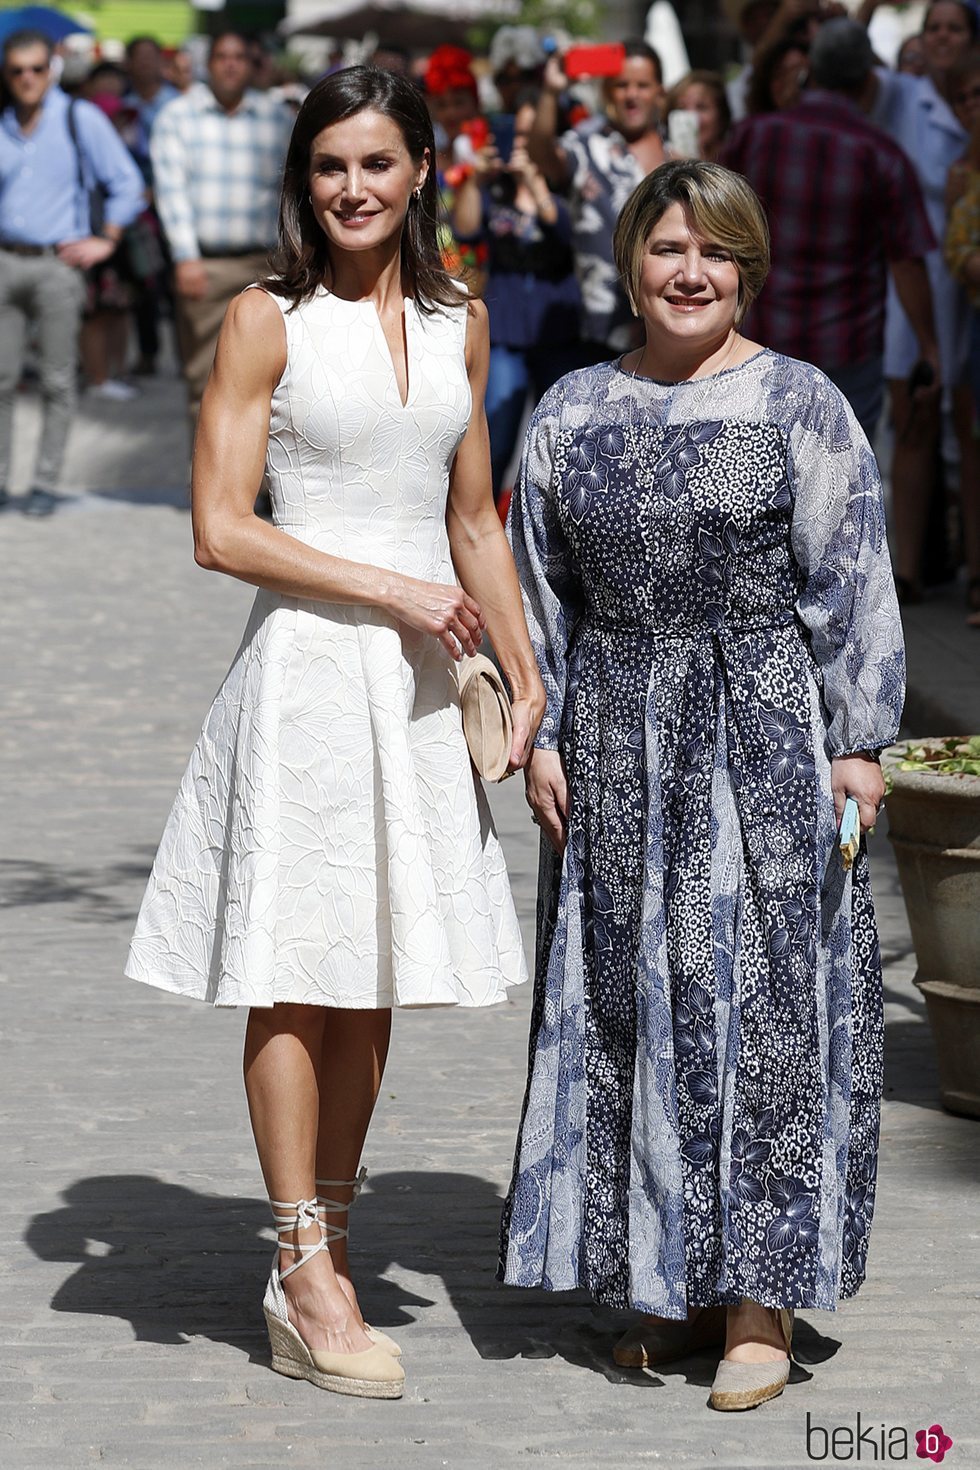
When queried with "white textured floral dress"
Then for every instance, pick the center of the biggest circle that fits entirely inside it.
(329, 844)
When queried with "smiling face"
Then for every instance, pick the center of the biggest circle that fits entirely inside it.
(688, 287)
(945, 35)
(361, 180)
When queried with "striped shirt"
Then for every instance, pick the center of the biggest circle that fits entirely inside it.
(217, 174)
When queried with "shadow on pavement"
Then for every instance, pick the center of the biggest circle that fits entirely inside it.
(447, 1225)
(95, 894)
(911, 1074)
(177, 1264)
(174, 1263)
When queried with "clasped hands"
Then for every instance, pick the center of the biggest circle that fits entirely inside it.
(456, 620)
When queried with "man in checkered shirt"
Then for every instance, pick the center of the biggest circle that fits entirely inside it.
(218, 153)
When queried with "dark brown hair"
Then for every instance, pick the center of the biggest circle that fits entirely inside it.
(759, 97)
(302, 261)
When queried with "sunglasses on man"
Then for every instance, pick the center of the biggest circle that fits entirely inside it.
(23, 71)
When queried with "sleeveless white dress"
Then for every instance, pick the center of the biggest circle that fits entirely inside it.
(330, 843)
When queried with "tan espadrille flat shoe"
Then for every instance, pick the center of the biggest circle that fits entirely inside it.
(746, 1385)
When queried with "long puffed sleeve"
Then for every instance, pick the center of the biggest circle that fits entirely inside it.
(848, 603)
(545, 564)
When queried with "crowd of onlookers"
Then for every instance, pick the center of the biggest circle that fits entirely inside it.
(870, 177)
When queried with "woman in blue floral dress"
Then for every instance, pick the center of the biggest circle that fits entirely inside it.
(700, 537)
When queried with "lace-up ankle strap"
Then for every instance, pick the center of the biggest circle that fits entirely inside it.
(288, 1217)
(327, 1206)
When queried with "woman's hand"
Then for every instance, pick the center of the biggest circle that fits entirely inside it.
(444, 611)
(522, 166)
(546, 788)
(527, 710)
(858, 776)
(525, 171)
(486, 161)
(554, 79)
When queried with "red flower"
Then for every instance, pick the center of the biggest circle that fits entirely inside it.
(449, 70)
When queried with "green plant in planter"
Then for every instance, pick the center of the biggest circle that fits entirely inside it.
(952, 756)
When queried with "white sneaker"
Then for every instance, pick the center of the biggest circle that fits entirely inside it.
(114, 390)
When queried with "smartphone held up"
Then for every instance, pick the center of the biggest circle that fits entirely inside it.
(581, 63)
(684, 132)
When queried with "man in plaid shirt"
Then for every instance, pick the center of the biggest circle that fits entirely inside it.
(218, 153)
(844, 207)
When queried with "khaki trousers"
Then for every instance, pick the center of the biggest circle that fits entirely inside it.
(44, 293)
(199, 322)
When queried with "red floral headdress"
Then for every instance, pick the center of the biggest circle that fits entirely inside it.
(449, 70)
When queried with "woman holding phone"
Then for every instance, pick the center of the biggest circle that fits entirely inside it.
(700, 537)
(702, 95)
(531, 293)
(597, 165)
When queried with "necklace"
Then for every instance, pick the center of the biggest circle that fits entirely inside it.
(732, 346)
(706, 381)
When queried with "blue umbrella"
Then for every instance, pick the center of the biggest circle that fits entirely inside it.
(50, 23)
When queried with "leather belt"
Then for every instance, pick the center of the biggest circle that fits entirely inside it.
(16, 247)
(232, 253)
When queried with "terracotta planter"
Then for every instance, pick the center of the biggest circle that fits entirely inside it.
(934, 825)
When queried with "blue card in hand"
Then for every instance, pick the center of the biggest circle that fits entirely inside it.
(849, 834)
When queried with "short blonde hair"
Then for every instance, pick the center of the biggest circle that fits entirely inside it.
(721, 209)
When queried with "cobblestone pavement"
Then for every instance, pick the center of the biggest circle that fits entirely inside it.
(135, 1234)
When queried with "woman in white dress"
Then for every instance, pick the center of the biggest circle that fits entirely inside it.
(330, 854)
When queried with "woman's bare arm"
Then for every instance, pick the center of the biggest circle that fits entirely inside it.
(480, 552)
(229, 459)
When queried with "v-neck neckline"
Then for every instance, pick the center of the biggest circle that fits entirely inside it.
(409, 375)
(407, 303)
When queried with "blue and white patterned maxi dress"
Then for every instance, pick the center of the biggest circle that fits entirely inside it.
(710, 598)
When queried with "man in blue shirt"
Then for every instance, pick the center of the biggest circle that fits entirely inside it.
(149, 91)
(47, 240)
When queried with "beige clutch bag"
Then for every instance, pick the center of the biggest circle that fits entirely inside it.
(488, 724)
